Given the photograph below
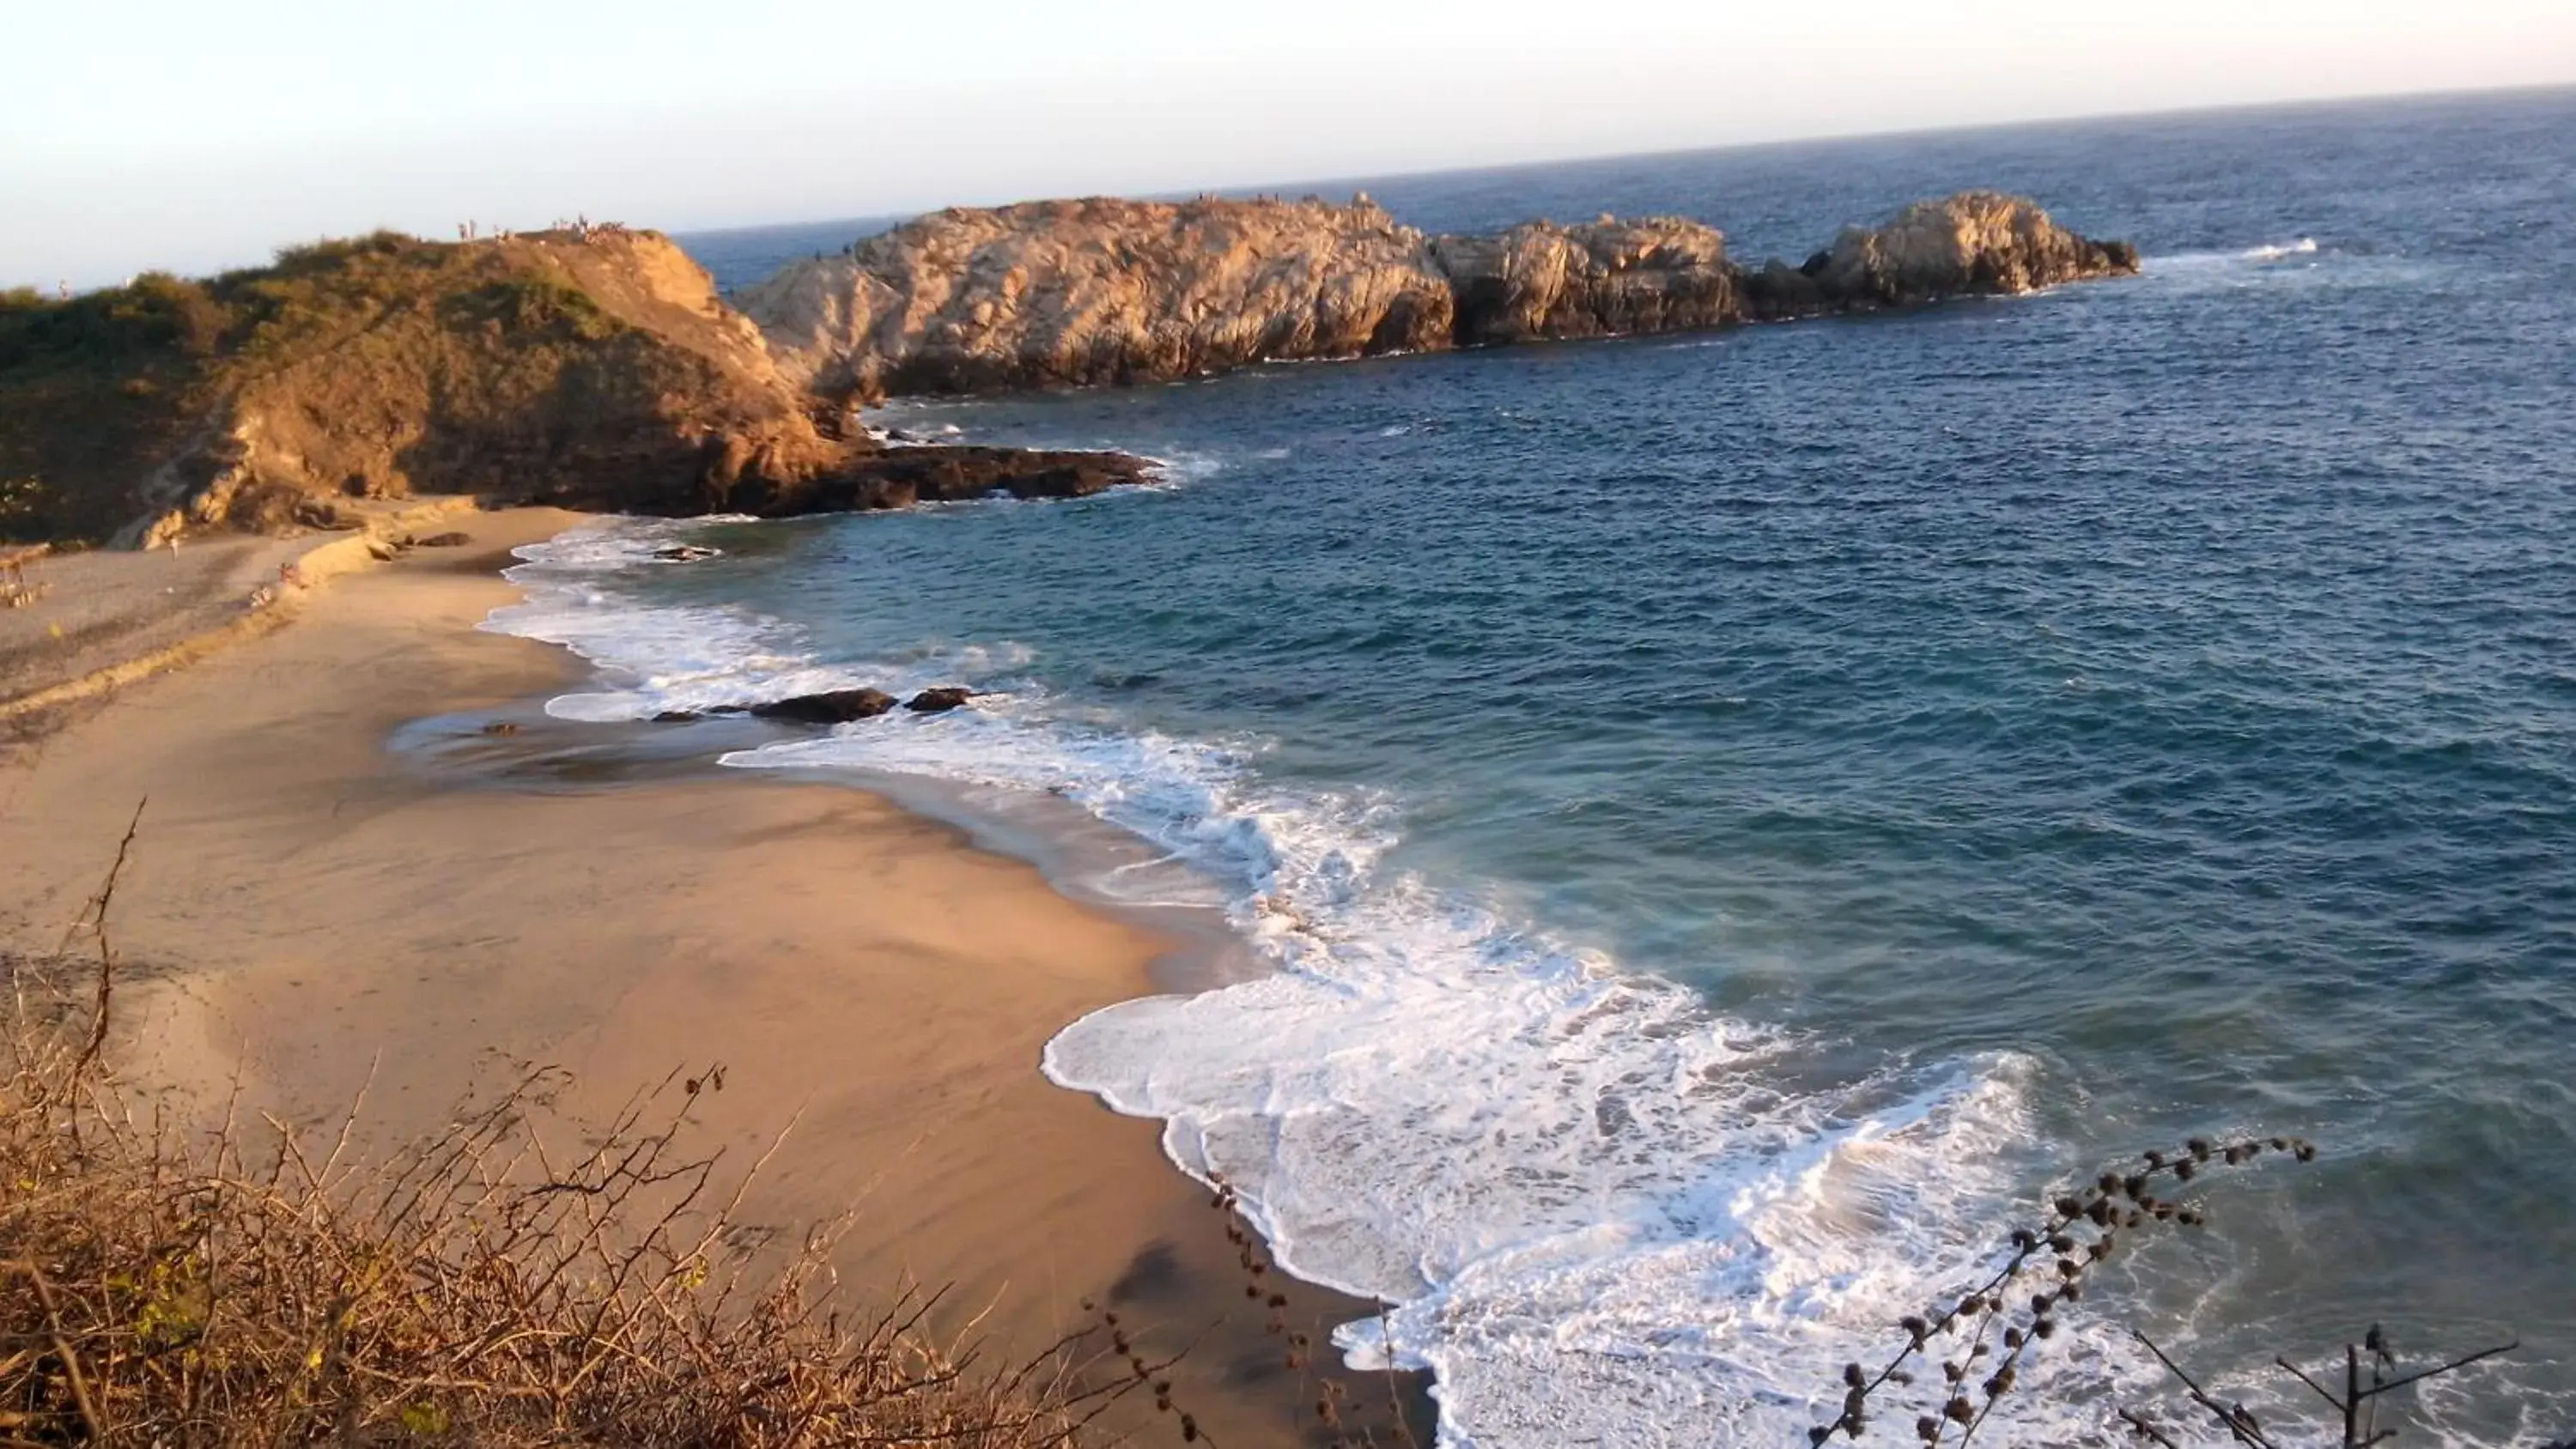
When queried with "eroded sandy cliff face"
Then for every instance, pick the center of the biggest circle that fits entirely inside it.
(1086, 292)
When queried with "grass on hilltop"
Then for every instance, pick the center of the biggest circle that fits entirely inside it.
(98, 389)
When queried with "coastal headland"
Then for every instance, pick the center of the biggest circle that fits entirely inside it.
(597, 368)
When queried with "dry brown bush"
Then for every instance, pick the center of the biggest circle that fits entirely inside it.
(512, 1280)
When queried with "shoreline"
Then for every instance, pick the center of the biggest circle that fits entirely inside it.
(311, 918)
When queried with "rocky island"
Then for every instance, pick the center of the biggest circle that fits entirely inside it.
(1083, 293)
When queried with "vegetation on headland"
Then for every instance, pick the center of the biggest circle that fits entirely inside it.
(374, 366)
(592, 368)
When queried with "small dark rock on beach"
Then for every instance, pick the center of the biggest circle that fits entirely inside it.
(839, 706)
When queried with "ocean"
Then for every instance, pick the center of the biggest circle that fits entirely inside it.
(1719, 827)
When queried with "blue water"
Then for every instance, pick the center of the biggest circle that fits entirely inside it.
(1738, 817)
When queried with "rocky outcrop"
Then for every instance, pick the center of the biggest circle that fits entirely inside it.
(840, 706)
(591, 369)
(1076, 293)
(1606, 278)
(1101, 291)
(1977, 242)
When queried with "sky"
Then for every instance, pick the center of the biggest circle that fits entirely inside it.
(192, 135)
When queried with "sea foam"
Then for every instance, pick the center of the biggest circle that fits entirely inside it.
(1597, 1210)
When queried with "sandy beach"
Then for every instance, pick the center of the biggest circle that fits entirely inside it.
(314, 917)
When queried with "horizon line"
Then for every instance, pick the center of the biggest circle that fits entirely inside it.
(1310, 185)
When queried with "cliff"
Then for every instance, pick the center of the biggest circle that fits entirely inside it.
(591, 370)
(1101, 291)
(1086, 292)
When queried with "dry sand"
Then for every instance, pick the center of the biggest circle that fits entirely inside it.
(93, 609)
(309, 916)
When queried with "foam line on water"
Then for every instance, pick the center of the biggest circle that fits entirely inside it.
(2305, 246)
(1597, 1209)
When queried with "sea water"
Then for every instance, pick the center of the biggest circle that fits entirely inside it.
(1730, 821)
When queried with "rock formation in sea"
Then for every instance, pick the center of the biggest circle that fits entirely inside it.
(1087, 292)
(1101, 291)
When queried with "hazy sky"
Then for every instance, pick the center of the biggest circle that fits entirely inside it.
(193, 134)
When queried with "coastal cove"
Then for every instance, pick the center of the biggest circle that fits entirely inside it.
(383, 387)
(1743, 816)
(1645, 854)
